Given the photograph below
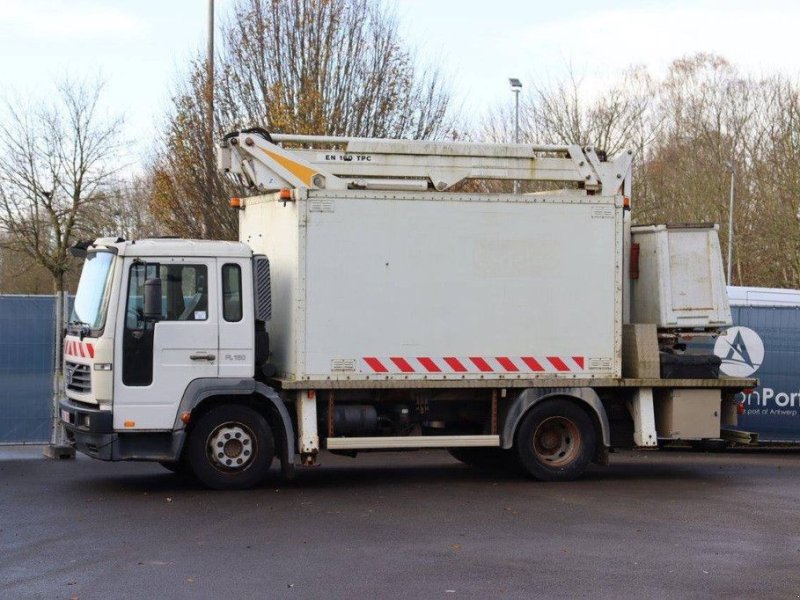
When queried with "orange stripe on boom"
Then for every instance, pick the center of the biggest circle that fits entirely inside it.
(300, 171)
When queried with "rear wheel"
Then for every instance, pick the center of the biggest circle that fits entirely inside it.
(230, 448)
(556, 441)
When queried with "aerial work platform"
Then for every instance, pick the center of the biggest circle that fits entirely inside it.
(262, 161)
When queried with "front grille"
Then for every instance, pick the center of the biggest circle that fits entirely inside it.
(78, 378)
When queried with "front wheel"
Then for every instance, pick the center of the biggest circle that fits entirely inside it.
(230, 448)
(556, 441)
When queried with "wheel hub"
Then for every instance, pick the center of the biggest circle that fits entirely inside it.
(550, 440)
(556, 441)
(233, 448)
(230, 446)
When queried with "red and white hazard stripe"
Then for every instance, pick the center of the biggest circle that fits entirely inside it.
(473, 364)
(78, 349)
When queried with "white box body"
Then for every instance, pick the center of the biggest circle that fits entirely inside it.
(681, 282)
(402, 286)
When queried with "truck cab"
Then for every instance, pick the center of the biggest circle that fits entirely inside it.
(127, 373)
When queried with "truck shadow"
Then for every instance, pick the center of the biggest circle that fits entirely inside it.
(381, 477)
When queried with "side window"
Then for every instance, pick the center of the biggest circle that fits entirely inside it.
(232, 292)
(134, 318)
(185, 290)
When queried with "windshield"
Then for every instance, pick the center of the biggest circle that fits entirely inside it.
(91, 299)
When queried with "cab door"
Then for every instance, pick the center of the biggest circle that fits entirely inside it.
(160, 358)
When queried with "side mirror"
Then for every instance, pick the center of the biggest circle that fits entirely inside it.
(152, 299)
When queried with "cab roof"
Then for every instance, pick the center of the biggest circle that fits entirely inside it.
(175, 247)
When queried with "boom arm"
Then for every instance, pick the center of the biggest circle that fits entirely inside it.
(337, 163)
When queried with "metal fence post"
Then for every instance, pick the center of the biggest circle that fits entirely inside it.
(58, 447)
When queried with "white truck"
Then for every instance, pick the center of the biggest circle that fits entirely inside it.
(371, 305)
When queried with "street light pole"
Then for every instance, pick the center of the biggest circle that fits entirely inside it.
(209, 121)
(732, 169)
(516, 86)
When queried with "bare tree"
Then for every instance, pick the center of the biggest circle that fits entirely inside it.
(332, 67)
(122, 209)
(57, 161)
(773, 248)
(20, 274)
(563, 112)
(707, 108)
(328, 67)
(614, 119)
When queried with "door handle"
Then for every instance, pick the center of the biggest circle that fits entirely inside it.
(202, 356)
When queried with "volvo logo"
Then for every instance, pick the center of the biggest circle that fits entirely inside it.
(741, 350)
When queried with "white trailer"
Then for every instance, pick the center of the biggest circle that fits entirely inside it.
(400, 311)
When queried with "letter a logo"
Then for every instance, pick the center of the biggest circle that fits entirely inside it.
(741, 351)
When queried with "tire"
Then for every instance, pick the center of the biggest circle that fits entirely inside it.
(230, 448)
(490, 459)
(556, 441)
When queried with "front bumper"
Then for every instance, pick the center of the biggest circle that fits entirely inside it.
(91, 432)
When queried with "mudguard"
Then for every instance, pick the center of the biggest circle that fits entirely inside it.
(532, 396)
(201, 389)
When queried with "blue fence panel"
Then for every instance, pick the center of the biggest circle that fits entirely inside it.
(773, 409)
(26, 368)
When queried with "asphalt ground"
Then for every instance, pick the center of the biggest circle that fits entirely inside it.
(417, 525)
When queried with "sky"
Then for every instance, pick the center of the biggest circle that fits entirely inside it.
(140, 47)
